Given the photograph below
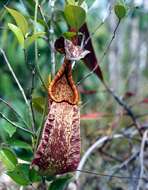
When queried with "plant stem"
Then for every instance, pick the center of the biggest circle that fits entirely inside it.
(40, 127)
(109, 8)
(14, 76)
(103, 55)
(31, 112)
(16, 113)
(35, 29)
(36, 46)
(31, 105)
(51, 31)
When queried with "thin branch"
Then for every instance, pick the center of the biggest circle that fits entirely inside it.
(44, 19)
(14, 76)
(46, 23)
(40, 127)
(103, 55)
(26, 59)
(95, 146)
(73, 185)
(107, 175)
(16, 113)
(98, 144)
(15, 125)
(109, 9)
(31, 105)
(31, 111)
(2, 12)
(35, 29)
(144, 140)
(110, 156)
(125, 106)
(50, 40)
(124, 164)
(53, 61)
(33, 188)
(40, 77)
(36, 48)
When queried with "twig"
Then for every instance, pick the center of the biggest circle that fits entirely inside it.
(50, 40)
(73, 185)
(2, 12)
(40, 127)
(36, 48)
(103, 55)
(53, 62)
(144, 140)
(25, 58)
(43, 17)
(100, 25)
(17, 81)
(110, 156)
(125, 106)
(14, 76)
(35, 29)
(124, 164)
(15, 125)
(33, 188)
(31, 112)
(31, 105)
(46, 23)
(95, 146)
(107, 175)
(16, 113)
(40, 77)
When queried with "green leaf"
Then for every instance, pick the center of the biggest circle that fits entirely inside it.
(19, 144)
(24, 154)
(69, 35)
(75, 16)
(16, 30)
(20, 20)
(71, 2)
(21, 174)
(60, 183)
(38, 103)
(34, 176)
(32, 38)
(10, 129)
(120, 11)
(8, 158)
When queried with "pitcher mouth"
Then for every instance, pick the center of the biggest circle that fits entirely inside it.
(62, 88)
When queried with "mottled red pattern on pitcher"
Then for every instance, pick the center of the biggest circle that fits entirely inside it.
(59, 149)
